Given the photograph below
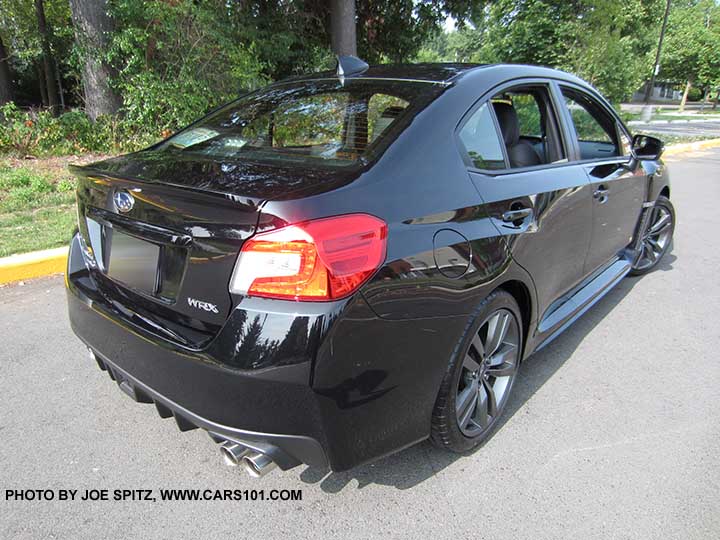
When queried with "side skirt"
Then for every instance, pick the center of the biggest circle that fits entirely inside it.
(561, 318)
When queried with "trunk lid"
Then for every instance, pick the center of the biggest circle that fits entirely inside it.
(165, 232)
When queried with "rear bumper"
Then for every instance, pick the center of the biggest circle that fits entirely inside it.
(286, 451)
(330, 385)
(268, 405)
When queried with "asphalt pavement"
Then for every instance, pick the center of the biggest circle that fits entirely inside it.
(612, 432)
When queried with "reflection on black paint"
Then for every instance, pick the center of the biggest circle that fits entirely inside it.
(253, 349)
(358, 390)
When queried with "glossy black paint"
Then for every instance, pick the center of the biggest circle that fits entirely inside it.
(359, 377)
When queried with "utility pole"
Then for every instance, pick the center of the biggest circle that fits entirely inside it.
(656, 65)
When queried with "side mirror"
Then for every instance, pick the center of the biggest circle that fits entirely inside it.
(647, 147)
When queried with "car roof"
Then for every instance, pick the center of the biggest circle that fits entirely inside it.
(442, 72)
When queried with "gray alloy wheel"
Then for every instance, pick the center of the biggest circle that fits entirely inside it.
(488, 372)
(656, 237)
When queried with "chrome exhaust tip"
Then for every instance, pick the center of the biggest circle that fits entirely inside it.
(233, 453)
(258, 465)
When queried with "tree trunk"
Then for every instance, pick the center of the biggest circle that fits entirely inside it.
(92, 28)
(48, 63)
(342, 27)
(6, 86)
(41, 84)
(688, 85)
(61, 93)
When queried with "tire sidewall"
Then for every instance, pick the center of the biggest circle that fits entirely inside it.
(665, 203)
(452, 437)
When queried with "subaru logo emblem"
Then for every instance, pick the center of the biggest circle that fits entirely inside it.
(124, 201)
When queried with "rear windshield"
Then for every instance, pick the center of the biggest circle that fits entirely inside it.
(325, 122)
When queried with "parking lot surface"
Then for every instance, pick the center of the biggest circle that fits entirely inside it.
(613, 430)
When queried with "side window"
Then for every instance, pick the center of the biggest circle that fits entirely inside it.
(528, 114)
(595, 128)
(481, 140)
(528, 123)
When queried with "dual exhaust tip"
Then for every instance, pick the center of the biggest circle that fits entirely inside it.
(256, 464)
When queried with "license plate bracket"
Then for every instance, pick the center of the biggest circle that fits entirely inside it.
(134, 262)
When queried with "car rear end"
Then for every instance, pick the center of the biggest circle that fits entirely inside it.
(191, 298)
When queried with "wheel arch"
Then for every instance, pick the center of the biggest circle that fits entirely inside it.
(521, 293)
(665, 192)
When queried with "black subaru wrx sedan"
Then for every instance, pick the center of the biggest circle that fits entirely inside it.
(337, 266)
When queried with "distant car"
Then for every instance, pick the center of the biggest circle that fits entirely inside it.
(335, 267)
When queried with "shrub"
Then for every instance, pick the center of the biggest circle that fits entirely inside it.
(695, 94)
(177, 60)
(38, 133)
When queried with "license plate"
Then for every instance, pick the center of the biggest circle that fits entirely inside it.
(133, 262)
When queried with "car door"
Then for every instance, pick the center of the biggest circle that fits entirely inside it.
(602, 147)
(542, 210)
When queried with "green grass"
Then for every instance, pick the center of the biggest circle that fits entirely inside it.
(627, 116)
(44, 228)
(36, 212)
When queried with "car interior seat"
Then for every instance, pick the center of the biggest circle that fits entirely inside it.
(520, 152)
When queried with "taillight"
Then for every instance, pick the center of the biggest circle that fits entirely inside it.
(324, 259)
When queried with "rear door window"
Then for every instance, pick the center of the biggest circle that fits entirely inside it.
(528, 114)
(481, 140)
(518, 128)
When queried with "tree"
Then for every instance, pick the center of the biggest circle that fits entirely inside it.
(48, 62)
(603, 41)
(93, 27)
(287, 37)
(342, 27)
(176, 59)
(692, 44)
(613, 48)
(396, 30)
(6, 87)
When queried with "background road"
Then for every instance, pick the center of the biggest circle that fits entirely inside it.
(679, 129)
(613, 431)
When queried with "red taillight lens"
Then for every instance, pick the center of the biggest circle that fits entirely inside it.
(323, 259)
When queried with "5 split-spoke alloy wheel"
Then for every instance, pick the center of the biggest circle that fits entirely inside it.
(656, 237)
(480, 375)
(489, 366)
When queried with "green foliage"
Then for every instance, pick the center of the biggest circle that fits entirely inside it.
(24, 189)
(176, 60)
(528, 115)
(605, 42)
(695, 94)
(288, 37)
(19, 30)
(38, 133)
(692, 43)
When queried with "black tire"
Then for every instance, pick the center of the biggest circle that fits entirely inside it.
(446, 431)
(650, 256)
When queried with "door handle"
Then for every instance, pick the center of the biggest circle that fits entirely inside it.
(601, 193)
(517, 215)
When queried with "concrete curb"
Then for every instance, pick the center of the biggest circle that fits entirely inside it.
(32, 265)
(683, 148)
(54, 261)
